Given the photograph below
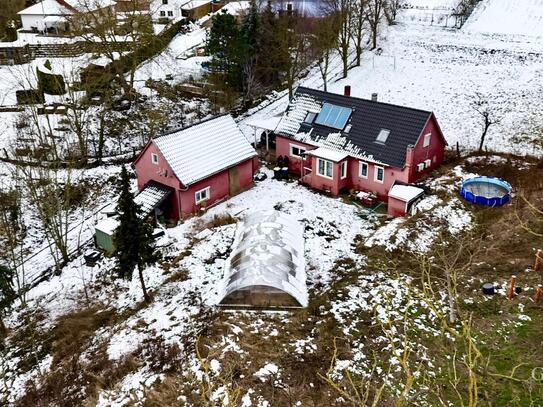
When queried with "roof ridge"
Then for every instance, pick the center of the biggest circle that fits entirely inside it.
(358, 98)
(179, 129)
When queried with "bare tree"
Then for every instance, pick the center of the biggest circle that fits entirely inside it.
(341, 12)
(358, 25)
(391, 10)
(487, 112)
(324, 43)
(374, 15)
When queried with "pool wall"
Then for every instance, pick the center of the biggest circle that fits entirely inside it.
(482, 200)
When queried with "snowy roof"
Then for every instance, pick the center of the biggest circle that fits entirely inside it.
(204, 149)
(107, 225)
(151, 196)
(63, 7)
(195, 4)
(328, 154)
(360, 130)
(405, 193)
(266, 123)
(54, 19)
(268, 252)
(46, 7)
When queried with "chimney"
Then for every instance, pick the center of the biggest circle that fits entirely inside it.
(374, 97)
(347, 90)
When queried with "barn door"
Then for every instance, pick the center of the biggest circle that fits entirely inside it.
(233, 175)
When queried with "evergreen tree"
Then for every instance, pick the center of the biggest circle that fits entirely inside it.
(7, 295)
(226, 46)
(133, 237)
(250, 30)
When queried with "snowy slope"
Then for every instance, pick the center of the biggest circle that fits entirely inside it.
(510, 17)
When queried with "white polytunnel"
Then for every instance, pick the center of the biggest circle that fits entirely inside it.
(267, 266)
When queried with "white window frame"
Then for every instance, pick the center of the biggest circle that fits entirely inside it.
(362, 164)
(376, 171)
(207, 195)
(292, 146)
(343, 169)
(154, 158)
(170, 13)
(427, 138)
(326, 162)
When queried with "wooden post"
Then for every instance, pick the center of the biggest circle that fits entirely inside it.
(538, 294)
(511, 290)
(267, 140)
(537, 262)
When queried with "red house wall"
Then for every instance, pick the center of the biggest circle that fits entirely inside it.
(396, 207)
(161, 172)
(282, 147)
(183, 201)
(435, 151)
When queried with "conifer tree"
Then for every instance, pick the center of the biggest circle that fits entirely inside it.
(7, 295)
(133, 237)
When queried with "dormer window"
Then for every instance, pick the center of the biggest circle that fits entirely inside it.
(382, 136)
(310, 117)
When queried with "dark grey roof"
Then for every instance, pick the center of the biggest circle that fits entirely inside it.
(368, 119)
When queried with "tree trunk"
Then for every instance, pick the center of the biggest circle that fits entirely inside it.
(345, 59)
(142, 281)
(452, 314)
(374, 37)
(3, 329)
(483, 136)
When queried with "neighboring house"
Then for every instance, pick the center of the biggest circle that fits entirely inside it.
(52, 15)
(203, 164)
(167, 10)
(196, 9)
(338, 142)
(237, 9)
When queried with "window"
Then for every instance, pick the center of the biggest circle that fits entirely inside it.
(325, 168)
(348, 128)
(382, 136)
(344, 169)
(296, 151)
(154, 158)
(379, 175)
(363, 170)
(310, 117)
(164, 1)
(202, 195)
(426, 141)
(333, 116)
(162, 14)
(170, 13)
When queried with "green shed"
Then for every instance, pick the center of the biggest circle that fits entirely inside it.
(103, 237)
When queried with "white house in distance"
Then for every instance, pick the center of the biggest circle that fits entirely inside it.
(50, 15)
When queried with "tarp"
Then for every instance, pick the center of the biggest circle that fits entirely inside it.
(268, 252)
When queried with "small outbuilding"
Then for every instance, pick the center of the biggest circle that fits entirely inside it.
(266, 268)
(103, 236)
(402, 198)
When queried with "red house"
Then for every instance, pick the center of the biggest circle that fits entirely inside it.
(199, 165)
(338, 142)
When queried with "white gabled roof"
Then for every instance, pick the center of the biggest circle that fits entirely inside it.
(204, 149)
(45, 7)
(405, 193)
(328, 154)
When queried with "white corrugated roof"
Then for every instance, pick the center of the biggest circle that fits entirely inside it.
(45, 7)
(150, 196)
(328, 154)
(405, 193)
(204, 149)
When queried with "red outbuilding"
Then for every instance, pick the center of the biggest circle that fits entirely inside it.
(338, 142)
(198, 166)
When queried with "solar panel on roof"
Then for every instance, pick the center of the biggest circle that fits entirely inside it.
(333, 116)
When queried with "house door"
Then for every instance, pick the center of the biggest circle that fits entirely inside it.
(233, 175)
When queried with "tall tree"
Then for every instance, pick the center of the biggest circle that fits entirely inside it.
(7, 295)
(324, 43)
(133, 237)
(358, 25)
(251, 36)
(342, 10)
(227, 47)
(375, 12)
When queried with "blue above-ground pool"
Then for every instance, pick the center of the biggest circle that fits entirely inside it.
(488, 191)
